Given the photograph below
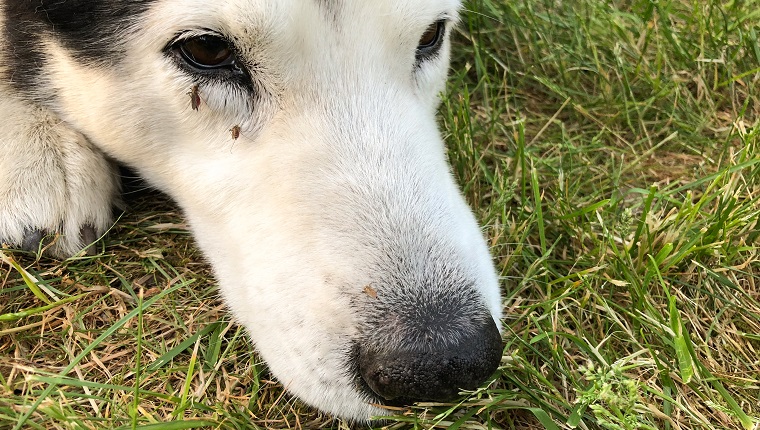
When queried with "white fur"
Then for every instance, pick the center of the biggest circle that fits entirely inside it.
(339, 163)
(51, 178)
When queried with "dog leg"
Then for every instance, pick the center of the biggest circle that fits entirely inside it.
(56, 188)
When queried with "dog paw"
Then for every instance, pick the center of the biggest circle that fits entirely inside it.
(56, 188)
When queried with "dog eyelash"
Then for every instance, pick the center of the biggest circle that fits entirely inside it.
(431, 41)
(206, 52)
(209, 56)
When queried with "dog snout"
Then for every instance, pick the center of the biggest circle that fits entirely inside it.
(432, 370)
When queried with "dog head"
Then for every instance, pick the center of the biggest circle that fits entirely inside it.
(299, 138)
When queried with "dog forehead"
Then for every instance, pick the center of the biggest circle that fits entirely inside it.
(98, 30)
(294, 39)
(240, 18)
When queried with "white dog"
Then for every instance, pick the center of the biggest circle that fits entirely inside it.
(299, 138)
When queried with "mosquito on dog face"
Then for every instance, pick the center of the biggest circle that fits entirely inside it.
(195, 98)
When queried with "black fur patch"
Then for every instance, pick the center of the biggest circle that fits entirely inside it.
(88, 28)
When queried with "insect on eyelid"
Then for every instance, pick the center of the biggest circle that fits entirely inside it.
(195, 98)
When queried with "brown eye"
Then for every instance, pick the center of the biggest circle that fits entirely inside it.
(206, 52)
(432, 36)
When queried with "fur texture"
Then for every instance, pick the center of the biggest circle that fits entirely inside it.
(311, 172)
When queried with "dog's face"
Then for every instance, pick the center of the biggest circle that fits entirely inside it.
(300, 139)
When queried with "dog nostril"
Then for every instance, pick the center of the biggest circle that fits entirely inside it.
(432, 372)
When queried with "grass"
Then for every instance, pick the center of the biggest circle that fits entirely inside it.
(612, 152)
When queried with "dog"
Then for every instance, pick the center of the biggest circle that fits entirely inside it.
(299, 139)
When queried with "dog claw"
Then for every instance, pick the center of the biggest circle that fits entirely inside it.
(36, 239)
(32, 239)
(87, 233)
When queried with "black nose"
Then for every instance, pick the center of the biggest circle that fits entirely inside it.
(434, 370)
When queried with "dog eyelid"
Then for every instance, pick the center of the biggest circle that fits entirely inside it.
(209, 56)
(205, 52)
(431, 36)
(431, 40)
